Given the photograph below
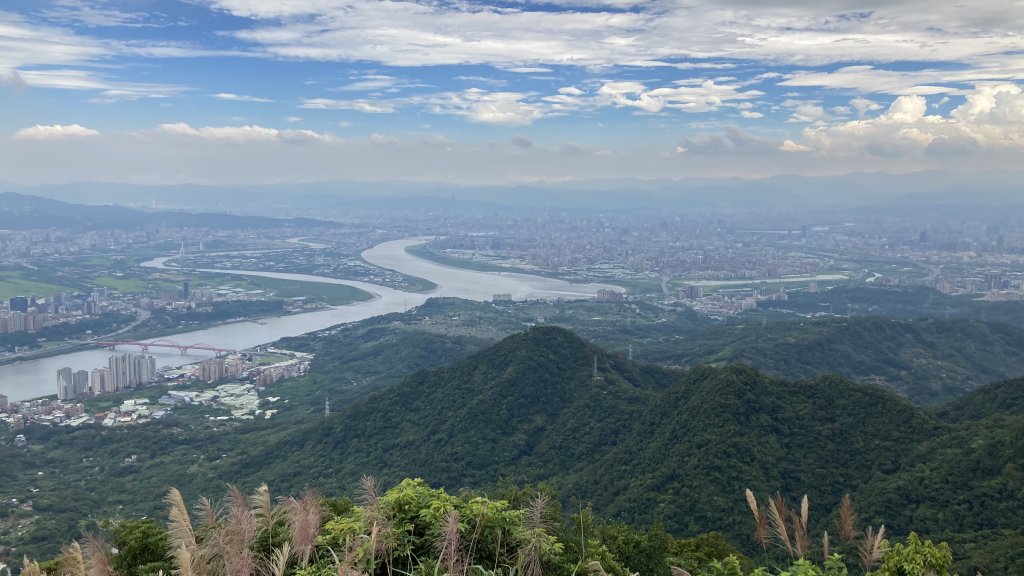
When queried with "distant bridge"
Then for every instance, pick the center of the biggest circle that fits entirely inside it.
(163, 343)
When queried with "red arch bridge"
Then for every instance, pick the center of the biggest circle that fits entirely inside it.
(163, 343)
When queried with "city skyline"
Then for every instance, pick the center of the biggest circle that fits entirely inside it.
(244, 91)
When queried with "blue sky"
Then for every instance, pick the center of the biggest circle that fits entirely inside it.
(229, 91)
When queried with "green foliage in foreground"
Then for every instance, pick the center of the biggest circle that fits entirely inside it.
(415, 530)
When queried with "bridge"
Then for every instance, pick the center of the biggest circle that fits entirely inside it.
(162, 343)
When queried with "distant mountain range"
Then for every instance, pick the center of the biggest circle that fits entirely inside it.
(22, 212)
(939, 194)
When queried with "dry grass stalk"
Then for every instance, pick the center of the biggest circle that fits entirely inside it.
(31, 568)
(761, 535)
(799, 525)
(449, 544)
(279, 561)
(206, 514)
(345, 566)
(233, 541)
(303, 516)
(182, 537)
(97, 562)
(595, 569)
(71, 560)
(369, 493)
(804, 512)
(824, 547)
(535, 525)
(380, 533)
(184, 561)
(262, 508)
(847, 520)
(536, 518)
(778, 513)
(677, 571)
(870, 549)
(179, 525)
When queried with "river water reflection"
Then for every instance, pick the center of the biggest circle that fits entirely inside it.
(36, 378)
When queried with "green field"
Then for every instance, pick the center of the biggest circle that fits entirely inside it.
(330, 294)
(14, 283)
(133, 284)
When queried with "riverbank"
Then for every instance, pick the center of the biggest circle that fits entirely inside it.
(30, 379)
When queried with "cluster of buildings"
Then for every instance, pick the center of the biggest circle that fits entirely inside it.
(240, 399)
(236, 367)
(42, 411)
(123, 372)
(32, 313)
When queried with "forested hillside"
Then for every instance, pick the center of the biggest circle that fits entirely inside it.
(928, 360)
(640, 443)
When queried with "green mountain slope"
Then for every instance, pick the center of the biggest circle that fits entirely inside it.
(642, 443)
(967, 484)
(930, 361)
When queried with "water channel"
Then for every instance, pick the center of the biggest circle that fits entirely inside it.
(34, 378)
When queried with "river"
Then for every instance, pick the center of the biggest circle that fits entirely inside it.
(31, 379)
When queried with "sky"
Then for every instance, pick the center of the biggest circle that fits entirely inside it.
(505, 92)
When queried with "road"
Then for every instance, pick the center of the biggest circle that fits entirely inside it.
(70, 345)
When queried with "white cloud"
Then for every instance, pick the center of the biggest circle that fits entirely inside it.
(238, 134)
(25, 44)
(192, 154)
(863, 105)
(528, 37)
(47, 132)
(751, 115)
(991, 118)
(109, 91)
(370, 82)
(483, 107)
(528, 70)
(361, 105)
(571, 91)
(95, 14)
(705, 97)
(733, 141)
(239, 97)
(790, 146)
(808, 112)
(383, 139)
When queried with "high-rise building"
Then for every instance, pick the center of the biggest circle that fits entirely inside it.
(100, 381)
(131, 370)
(18, 304)
(184, 290)
(3, 403)
(118, 366)
(211, 370)
(81, 382)
(143, 369)
(65, 384)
